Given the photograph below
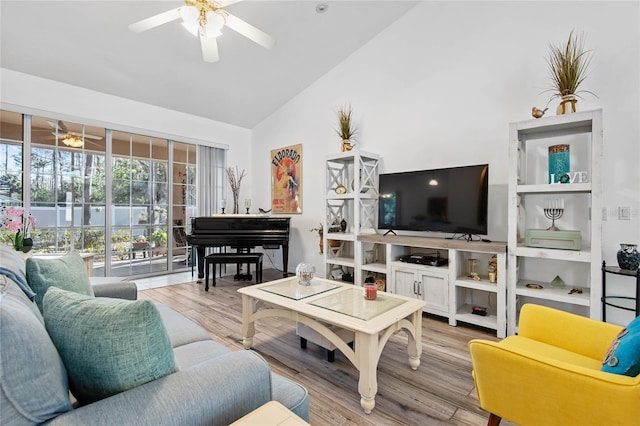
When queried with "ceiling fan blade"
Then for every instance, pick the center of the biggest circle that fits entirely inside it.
(86, 135)
(249, 31)
(209, 49)
(155, 21)
(59, 126)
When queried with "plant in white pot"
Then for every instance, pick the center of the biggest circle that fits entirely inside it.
(568, 67)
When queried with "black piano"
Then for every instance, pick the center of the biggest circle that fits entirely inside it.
(240, 233)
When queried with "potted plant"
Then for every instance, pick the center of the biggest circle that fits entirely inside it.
(568, 67)
(346, 129)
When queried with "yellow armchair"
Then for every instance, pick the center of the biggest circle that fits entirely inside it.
(549, 374)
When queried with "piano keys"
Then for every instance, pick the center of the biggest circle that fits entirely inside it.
(240, 232)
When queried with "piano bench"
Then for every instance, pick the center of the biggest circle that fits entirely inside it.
(237, 258)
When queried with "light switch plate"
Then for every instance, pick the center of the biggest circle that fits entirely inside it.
(624, 213)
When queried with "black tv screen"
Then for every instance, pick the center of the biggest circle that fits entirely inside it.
(452, 200)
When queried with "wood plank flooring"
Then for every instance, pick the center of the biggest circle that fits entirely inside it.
(440, 392)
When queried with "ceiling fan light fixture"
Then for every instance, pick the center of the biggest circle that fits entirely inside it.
(213, 27)
(189, 15)
(73, 141)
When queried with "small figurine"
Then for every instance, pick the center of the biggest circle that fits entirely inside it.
(343, 225)
(493, 269)
(538, 113)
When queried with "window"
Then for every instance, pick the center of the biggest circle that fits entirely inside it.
(127, 198)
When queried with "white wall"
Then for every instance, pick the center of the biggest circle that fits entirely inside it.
(439, 88)
(27, 93)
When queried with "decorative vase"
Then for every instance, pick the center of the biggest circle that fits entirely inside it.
(22, 244)
(628, 257)
(346, 145)
(559, 163)
(236, 208)
(567, 105)
(27, 245)
(304, 272)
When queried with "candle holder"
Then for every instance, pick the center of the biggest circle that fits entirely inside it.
(247, 204)
(305, 273)
(370, 292)
(553, 211)
(223, 205)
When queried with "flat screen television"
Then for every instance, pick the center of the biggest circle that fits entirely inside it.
(452, 200)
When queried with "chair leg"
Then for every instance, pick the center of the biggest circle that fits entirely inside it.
(207, 265)
(494, 420)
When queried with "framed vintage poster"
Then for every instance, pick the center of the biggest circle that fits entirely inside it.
(286, 179)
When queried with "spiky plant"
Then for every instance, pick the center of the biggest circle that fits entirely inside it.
(568, 66)
(346, 129)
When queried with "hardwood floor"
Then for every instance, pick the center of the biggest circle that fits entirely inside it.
(441, 391)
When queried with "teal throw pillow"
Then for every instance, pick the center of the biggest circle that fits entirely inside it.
(67, 272)
(623, 356)
(107, 345)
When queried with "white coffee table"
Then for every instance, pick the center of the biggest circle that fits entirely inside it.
(372, 321)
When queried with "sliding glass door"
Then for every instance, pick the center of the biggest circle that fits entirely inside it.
(183, 200)
(124, 197)
(139, 207)
(67, 186)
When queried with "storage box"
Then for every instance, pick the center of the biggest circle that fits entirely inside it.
(566, 240)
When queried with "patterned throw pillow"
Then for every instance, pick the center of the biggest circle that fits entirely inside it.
(107, 345)
(623, 356)
(67, 272)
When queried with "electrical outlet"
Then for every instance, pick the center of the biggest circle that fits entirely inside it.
(624, 213)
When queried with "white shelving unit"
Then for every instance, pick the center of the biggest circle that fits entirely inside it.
(528, 192)
(357, 172)
(446, 289)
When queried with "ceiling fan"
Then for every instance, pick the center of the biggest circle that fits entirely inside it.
(205, 19)
(67, 137)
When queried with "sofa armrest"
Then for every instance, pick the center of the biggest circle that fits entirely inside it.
(565, 330)
(530, 388)
(215, 392)
(114, 287)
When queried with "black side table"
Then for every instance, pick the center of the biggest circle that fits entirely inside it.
(617, 271)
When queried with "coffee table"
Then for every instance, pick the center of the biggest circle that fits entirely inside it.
(330, 302)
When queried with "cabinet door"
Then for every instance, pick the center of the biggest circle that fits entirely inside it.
(434, 287)
(404, 282)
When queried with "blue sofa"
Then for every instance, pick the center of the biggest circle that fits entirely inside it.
(213, 385)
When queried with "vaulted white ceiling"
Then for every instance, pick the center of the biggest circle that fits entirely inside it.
(88, 44)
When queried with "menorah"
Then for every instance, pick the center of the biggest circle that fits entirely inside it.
(553, 211)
